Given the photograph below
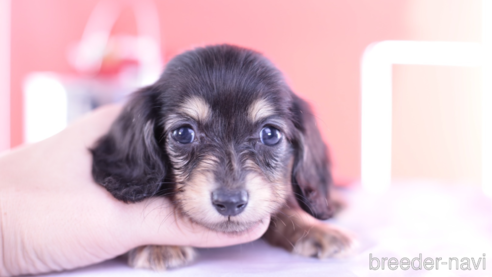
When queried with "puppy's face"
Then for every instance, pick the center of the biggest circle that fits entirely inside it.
(231, 159)
(223, 136)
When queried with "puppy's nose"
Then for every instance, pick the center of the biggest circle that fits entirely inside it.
(229, 203)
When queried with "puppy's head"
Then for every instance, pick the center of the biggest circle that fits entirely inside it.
(223, 136)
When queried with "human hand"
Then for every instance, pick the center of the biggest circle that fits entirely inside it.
(54, 217)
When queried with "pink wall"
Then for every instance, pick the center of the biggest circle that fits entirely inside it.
(318, 44)
(4, 75)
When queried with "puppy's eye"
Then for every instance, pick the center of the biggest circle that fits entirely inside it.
(184, 135)
(270, 136)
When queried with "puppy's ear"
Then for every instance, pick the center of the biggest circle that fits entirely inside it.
(311, 175)
(128, 161)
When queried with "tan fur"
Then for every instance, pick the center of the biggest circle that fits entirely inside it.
(194, 195)
(298, 232)
(159, 257)
(196, 108)
(260, 109)
(265, 197)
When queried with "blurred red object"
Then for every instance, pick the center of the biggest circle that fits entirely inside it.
(101, 54)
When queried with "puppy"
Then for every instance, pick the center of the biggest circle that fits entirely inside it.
(224, 137)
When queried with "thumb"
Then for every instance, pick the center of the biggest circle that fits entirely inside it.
(157, 221)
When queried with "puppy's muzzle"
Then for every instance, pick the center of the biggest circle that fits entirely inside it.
(230, 202)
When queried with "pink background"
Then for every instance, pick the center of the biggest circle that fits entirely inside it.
(318, 45)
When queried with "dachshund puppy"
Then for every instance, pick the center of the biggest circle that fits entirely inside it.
(224, 137)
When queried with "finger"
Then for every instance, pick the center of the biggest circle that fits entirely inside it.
(156, 221)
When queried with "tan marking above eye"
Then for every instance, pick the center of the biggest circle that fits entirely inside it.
(196, 108)
(260, 109)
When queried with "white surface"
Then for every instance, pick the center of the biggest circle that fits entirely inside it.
(415, 217)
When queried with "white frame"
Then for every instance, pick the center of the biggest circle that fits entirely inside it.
(376, 96)
(376, 100)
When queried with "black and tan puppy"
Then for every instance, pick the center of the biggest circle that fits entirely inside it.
(223, 136)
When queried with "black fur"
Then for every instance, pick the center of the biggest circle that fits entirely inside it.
(128, 161)
(133, 161)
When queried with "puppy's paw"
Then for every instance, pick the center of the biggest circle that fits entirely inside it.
(322, 241)
(160, 257)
